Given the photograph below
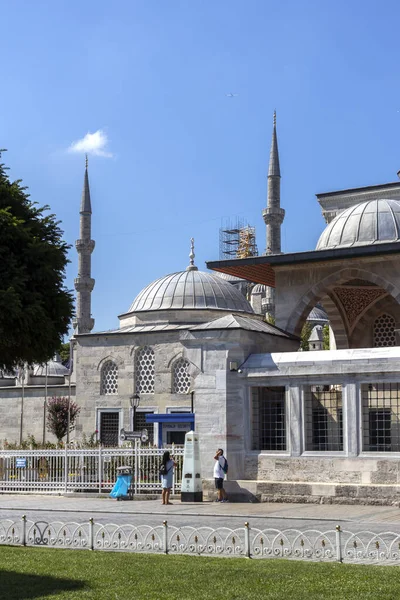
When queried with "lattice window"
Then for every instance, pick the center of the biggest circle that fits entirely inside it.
(145, 370)
(109, 428)
(141, 423)
(384, 334)
(381, 417)
(109, 378)
(268, 418)
(181, 377)
(324, 417)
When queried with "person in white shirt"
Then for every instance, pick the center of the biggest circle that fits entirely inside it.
(219, 474)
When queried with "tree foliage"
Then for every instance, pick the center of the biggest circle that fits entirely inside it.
(305, 334)
(325, 334)
(35, 307)
(64, 352)
(57, 415)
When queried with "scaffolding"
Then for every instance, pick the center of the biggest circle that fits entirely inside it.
(237, 240)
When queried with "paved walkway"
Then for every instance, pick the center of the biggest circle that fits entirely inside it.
(89, 505)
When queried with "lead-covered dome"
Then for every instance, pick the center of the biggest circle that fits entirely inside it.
(55, 368)
(372, 222)
(191, 289)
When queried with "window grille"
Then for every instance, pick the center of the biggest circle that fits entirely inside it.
(145, 370)
(140, 423)
(380, 416)
(323, 418)
(384, 333)
(109, 428)
(109, 378)
(268, 418)
(181, 377)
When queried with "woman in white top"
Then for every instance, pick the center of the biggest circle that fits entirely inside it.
(167, 465)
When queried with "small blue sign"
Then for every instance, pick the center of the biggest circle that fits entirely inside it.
(20, 463)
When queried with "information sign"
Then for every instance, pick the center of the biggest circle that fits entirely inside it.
(191, 489)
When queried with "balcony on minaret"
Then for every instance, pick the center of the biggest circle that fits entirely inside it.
(84, 284)
(83, 324)
(85, 246)
(273, 216)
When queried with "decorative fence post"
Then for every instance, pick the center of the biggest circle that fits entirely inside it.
(91, 533)
(100, 468)
(338, 543)
(66, 469)
(247, 551)
(137, 466)
(23, 540)
(165, 537)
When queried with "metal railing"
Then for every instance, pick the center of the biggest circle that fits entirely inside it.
(93, 470)
(335, 545)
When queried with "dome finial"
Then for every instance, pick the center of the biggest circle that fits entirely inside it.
(192, 266)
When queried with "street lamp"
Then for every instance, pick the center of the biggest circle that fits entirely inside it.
(135, 401)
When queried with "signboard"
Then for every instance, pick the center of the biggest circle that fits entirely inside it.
(192, 488)
(131, 436)
(20, 463)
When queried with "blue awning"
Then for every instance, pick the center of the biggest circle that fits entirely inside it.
(170, 418)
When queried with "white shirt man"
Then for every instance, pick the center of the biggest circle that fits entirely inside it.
(219, 474)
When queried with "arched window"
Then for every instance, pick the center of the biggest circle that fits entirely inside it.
(181, 377)
(384, 334)
(109, 378)
(144, 370)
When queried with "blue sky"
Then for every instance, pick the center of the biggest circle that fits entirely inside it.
(153, 76)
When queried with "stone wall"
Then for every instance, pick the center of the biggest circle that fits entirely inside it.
(33, 413)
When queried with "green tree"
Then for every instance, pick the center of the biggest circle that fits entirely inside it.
(64, 351)
(305, 334)
(57, 416)
(325, 337)
(35, 307)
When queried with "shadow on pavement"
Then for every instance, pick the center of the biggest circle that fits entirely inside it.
(21, 586)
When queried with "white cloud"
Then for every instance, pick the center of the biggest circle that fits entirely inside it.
(92, 143)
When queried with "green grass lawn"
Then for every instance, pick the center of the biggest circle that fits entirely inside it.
(56, 574)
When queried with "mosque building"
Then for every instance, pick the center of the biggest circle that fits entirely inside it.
(295, 425)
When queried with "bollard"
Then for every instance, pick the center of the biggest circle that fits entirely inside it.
(91, 534)
(23, 541)
(165, 537)
(247, 540)
(338, 543)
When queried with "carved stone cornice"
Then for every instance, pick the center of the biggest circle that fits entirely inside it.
(354, 301)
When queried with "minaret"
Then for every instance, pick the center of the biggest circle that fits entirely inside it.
(84, 284)
(273, 215)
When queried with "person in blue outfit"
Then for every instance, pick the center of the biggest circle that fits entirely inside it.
(167, 466)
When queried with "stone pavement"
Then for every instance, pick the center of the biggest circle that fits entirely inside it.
(90, 505)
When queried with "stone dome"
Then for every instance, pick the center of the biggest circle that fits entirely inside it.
(372, 222)
(191, 289)
(318, 314)
(55, 368)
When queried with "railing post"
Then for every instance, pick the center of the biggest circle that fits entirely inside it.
(247, 551)
(338, 543)
(91, 533)
(165, 537)
(23, 540)
(66, 469)
(137, 470)
(100, 468)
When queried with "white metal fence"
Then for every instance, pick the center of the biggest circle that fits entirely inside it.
(93, 470)
(337, 545)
